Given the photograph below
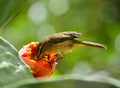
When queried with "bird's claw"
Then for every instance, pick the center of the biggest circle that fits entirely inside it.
(58, 57)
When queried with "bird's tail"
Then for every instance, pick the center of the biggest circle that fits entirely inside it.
(87, 43)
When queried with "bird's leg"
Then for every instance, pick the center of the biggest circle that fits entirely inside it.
(58, 57)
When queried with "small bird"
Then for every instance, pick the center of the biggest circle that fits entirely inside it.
(42, 57)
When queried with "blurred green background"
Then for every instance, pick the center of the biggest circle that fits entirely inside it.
(25, 21)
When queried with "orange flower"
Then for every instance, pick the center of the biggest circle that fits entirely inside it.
(39, 68)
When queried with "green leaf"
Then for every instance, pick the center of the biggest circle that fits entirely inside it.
(68, 82)
(9, 9)
(12, 69)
